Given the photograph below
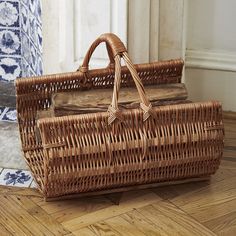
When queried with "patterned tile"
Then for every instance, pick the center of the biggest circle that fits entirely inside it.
(18, 178)
(26, 2)
(20, 39)
(33, 57)
(38, 12)
(33, 184)
(10, 115)
(25, 19)
(26, 70)
(9, 14)
(39, 65)
(10, 68)
(10, 42)
(26, 52)
(3, 110)
(39, 38)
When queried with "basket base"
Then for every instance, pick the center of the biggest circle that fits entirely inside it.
(127, 188)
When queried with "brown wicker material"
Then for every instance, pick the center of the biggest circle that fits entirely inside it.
(99, 151)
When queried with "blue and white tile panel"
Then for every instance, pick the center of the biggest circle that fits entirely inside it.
(20, 39)
(16, 178)
(8, 114)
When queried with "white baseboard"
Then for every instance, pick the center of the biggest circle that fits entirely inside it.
(207, 59)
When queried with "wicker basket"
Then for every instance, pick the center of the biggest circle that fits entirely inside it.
(108, 150)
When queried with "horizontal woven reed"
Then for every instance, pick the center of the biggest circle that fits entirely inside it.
(80, 153)
(83, 153)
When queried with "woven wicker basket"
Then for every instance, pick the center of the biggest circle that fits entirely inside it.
(99, 151)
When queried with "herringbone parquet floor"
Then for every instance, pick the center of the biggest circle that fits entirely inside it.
(202, 208)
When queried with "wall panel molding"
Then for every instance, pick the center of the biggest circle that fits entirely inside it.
(81, 22)
(154, 30)
(213, 60)
(143, 30)
(139, 30)
(66, 35)
(172, 31)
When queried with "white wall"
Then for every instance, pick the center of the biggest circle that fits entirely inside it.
(50, 26)
(202, 32)
(70, 26)
(211, 51)
(203, 85)
(211, 25)
(172, 29)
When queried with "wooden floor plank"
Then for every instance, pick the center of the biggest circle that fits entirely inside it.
(172, 220)
(226, 171)
(6, 190)
(170, 192)
(213, 194)
(229, 153)
(18, 221)
(86, 231)
(40, 215)
(128, 202)
(214, 211)
(144, 224)
(63, 205)
(82, 208)
(100, 228)
(223, 225)
(11, 223)
(230, 133)
(123, 227)
(4, 231)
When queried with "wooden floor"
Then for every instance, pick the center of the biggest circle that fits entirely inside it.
(203, 208)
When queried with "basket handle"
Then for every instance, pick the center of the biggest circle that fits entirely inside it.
(145, 104)
(117, 50)
(113, 44)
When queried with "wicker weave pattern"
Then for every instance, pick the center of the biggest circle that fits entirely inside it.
(86, 152)
(73, 154)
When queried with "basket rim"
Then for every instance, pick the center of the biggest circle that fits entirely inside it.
(91, 116)
(102, 71)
